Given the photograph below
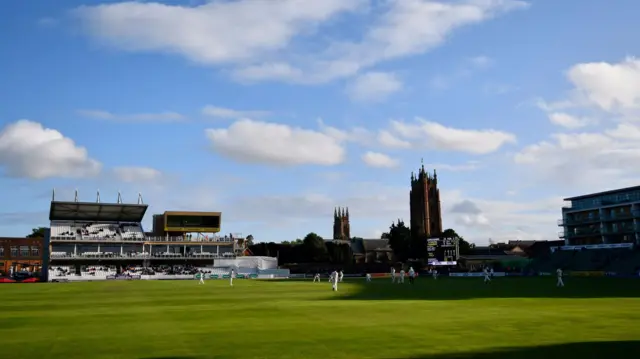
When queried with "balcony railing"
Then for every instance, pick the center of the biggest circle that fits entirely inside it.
(139, 256)
(192, 240)
(146, 239)
(580, 233)
(576, 221)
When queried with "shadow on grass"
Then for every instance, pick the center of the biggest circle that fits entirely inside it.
(586, 350)
(470, 288)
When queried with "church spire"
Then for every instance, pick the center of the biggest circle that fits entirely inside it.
(347, 212)
(335, 212)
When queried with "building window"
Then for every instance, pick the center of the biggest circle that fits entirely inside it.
(35, 251)
(1, 251)
(24, 251)
(14, 251)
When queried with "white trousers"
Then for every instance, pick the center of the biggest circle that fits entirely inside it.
(201, 280)
(560, 282)
(487, 279)
(231, 281)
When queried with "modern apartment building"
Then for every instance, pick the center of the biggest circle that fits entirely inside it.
(609, 217)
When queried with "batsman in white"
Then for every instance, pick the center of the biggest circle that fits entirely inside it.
(486, 275)
(560, 282)
(316, 278)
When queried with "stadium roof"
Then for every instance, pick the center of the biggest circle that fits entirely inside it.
(598, 194)
(92, 211)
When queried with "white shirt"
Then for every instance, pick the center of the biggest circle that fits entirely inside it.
(411, 272)
(486, 271)
(335, 277)
(402, 273)
(559, 272)
(491, 271)
(341, 274)
(393, 271)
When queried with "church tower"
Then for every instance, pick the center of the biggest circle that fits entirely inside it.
(341, 228)
(424, 200)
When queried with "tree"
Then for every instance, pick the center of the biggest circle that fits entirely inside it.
(399, 237)
(463, 246)
(315, 248)
(249, 240)
(37, 232)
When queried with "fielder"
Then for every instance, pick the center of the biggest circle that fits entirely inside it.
(402, 273)
(231, 275)
(412, 275)
(331, 276)
(201, 278)
(434, 272)
(560, 282)
(316, 278)
(335, 278)
(393, 275)
(341, 275)
(368, 277)
(486, 275)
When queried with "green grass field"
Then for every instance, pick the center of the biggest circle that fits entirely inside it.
(443, 319)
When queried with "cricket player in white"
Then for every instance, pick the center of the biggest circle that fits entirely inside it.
(201, 277)
(341, 276)
(331, 276)
(393, 275)
(231, 275)
(491, 273)
(335, 278)
(412, 275)
(316, 278)
(560, 282)
(401, 276)
(434, 272)
(486, 275)
(368, 276)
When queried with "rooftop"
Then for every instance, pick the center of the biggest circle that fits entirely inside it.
(96, 211)
(598, 194)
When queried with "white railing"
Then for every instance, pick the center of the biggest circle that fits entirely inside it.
(98, 255)
(191, 239)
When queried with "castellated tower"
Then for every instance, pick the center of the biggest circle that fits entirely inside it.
(341, 228)
(424, 199)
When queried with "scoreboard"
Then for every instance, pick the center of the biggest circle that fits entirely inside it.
(204, 222)
(442, 251)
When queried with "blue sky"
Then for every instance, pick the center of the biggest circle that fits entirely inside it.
(275, 112)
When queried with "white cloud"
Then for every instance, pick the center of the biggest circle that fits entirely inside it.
(137, 174)
(213, 33)
(373, 86)
(469, 166)
(27, 149)
(258, 35)
(568, 121)
(379, 160)
(227, 113)
(585, 160)
(137, 117)
(428, 134)
(388, 139)
(597, 160)
(481, 61)
(357, 135)
(610, 87)
(277, 144)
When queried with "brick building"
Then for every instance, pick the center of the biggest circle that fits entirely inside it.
(23, 253)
